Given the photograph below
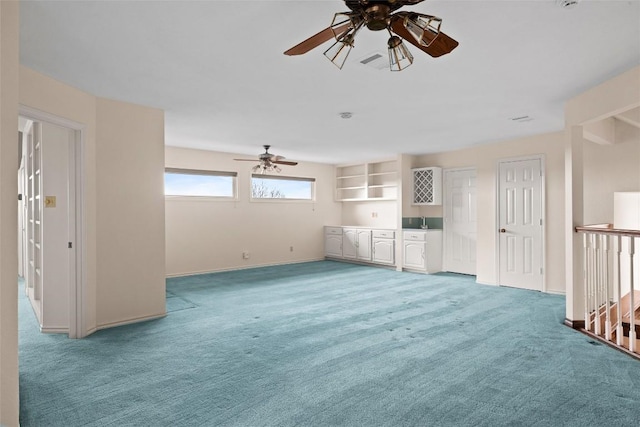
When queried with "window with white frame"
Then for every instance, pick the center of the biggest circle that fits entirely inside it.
(275, 187)
(199, 183)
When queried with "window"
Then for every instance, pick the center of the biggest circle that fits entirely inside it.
(282, 187)
(202, 183)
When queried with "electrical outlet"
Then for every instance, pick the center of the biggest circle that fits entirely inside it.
(374, 214)
(245, 255)
(290, 248)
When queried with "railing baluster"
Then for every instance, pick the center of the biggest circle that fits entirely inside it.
(632, 312)
(596, 287)
(589, 282)
(619, 331)
(586, 278)
(607, 317)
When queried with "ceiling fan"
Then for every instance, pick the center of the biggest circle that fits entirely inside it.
(422, 31)
(268, 162)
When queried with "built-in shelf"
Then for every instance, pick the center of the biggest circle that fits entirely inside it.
(350, 176)
(367, 181)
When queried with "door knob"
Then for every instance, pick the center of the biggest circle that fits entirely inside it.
(502, 230)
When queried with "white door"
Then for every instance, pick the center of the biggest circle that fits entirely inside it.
(57, 229)
(364, 245)
(414, 255)
(460, 221)
(333, 245)
(22, 220)
(383, 251)
(349, 243)
(520, 228)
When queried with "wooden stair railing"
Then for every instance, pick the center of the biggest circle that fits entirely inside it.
(611, 287)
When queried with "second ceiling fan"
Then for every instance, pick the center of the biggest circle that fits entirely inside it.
(422, 31)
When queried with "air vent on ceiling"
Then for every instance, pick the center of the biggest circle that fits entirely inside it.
(521, 119)
(567, 4)
(376, 60)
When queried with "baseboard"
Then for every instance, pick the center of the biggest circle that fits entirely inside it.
(574, 324)
(480, 282)
(554, 292)
(220, 270)
(129, 321)
(355, 261)
(54, 330)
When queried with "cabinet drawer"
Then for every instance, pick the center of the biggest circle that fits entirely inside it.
(384, 234)
(333, 230)
(415, 235)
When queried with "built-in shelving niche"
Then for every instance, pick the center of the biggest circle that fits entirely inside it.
(367, 181)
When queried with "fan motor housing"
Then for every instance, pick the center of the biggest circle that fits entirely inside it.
(377, 17)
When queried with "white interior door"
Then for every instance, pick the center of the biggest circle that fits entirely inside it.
(520, 224)
(460, 221)
(22, 220)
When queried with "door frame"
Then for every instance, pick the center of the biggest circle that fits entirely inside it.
(77, 264)
(543, 209)
(444, 210)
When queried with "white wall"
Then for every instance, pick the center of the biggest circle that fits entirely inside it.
(130, 212)
(122, 152)
(9, 399)
(607, 169)
(378, 214)
(204, 235)
(485, 158)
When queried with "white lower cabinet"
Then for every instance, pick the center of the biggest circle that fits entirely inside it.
(422, 250)
(383, 247)
(356, 244)
(333, 242)
(360, 244)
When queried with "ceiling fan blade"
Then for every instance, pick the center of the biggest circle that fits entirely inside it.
(442, 44)
(316, 40)
(247, 160)
(284, 162)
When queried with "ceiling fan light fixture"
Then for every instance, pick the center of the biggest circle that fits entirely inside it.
(423, 28)
(339, 51)
(343, 22)
(399, 56)
(266, 167)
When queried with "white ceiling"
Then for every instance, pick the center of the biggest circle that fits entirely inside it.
(217, 69)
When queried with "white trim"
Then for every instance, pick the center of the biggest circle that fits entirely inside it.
(221, 270)
(77, 304)
(543, 209)
(215, 199)
(130, 321)
(480, 282)
(54, 330)
(252, 199)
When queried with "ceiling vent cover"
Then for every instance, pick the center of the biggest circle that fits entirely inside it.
(521, 119)
(377, 61)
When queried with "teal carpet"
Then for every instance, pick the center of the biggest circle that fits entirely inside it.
(331, 344)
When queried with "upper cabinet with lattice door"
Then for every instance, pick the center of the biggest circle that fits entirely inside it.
(427, 186)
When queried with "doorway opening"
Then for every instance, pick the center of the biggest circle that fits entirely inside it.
(51, 232)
